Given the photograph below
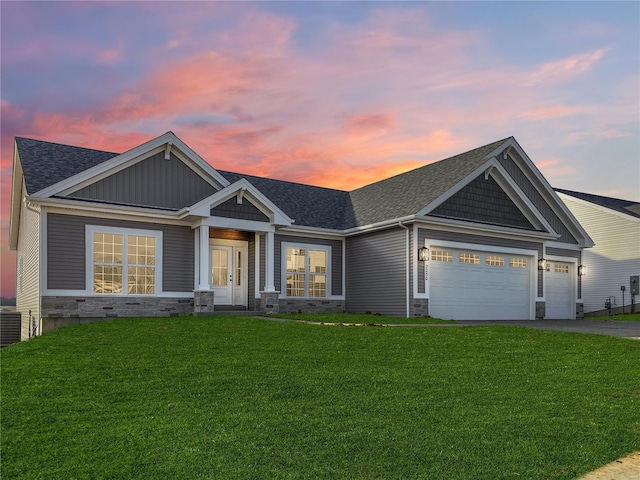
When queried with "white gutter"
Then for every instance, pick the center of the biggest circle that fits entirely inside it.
(93, 207)
(407, 272)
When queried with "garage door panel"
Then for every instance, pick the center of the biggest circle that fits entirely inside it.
(558, 291)
(464, 291)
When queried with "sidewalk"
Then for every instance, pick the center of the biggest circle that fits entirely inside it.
(627, 468)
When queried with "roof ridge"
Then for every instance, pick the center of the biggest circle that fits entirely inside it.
(281, 180)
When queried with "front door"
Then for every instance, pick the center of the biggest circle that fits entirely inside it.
(229, 272)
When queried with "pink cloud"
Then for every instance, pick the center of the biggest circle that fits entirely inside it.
(553, 168)
(366, 124)
(559, 70)
(545, 113)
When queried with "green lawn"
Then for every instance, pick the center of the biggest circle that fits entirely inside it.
(240, 398)
(626, 317)
(360, 319)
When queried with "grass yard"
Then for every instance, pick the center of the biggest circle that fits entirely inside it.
(359, 318)
(240, 398)
(625, 317)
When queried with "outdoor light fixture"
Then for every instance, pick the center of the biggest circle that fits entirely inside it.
(542, 264)
(423, 254)
(582, 270)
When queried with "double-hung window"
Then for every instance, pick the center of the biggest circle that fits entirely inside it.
(123, 261)
(306, 270)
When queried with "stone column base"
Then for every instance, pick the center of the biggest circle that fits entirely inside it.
(203, 302)
(540, 310)
(269, 302)
(579, 311)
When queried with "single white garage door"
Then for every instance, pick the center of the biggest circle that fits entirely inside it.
(558, 291)
(473, 285)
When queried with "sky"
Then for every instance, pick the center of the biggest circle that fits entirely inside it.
(335, 94)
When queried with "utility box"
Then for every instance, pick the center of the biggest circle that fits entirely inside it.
(634, 282)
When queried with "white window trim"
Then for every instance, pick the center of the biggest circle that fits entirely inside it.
(283, 269)
(91, 229)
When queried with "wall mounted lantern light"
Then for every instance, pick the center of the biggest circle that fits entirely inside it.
(582, 270)
(423, 254)
(542, 264)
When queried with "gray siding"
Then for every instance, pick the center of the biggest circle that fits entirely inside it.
(66, 251)
(244, 211)
(153, 182)
(530, 191)
(483, 201)
(478, 240)
(336, 259)
(376, 273)
(563, 252)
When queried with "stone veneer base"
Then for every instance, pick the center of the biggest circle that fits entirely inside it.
(58, 311)
(288, 305)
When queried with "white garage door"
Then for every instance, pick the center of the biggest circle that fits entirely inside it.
(558, 291)
(472, 285)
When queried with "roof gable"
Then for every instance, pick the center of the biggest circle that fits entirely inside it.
(484, 201)
(408, 193)
(242, 190)
(167, 143)
(155, 181)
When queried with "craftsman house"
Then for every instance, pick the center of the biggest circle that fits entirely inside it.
(157, 231)
(614, 261)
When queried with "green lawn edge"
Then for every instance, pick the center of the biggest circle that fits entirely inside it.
(239, 397)
(360, 319)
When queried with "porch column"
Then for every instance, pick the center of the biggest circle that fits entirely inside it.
(204, 258)
(269, 262)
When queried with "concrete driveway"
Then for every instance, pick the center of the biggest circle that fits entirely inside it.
(599, 327)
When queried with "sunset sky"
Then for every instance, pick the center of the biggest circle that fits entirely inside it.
(336, 94)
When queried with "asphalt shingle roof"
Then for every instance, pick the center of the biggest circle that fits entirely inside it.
(307, 205)
(45, 164)
(409, 192)
(623, 206)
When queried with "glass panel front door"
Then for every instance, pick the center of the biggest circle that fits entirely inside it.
(229, 272)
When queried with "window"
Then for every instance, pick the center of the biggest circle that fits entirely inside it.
(124, 262)
(472, 258)
(306, 270)
(518, 262)
(441, 256)
(494, 260)
(561, 268)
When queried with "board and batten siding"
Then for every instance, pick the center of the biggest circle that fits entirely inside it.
(28, 268)
(615, 256)
(536, 198)
(153, 181)
(376, 273)
(66, 253)
(430, 234)
(336, 259)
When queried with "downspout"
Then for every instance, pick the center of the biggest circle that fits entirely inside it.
(407, 268)
(31, 208)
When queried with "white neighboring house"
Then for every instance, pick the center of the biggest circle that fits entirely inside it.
(614, 226)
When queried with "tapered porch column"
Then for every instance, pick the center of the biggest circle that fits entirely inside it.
(204, 258)
(269, 262)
